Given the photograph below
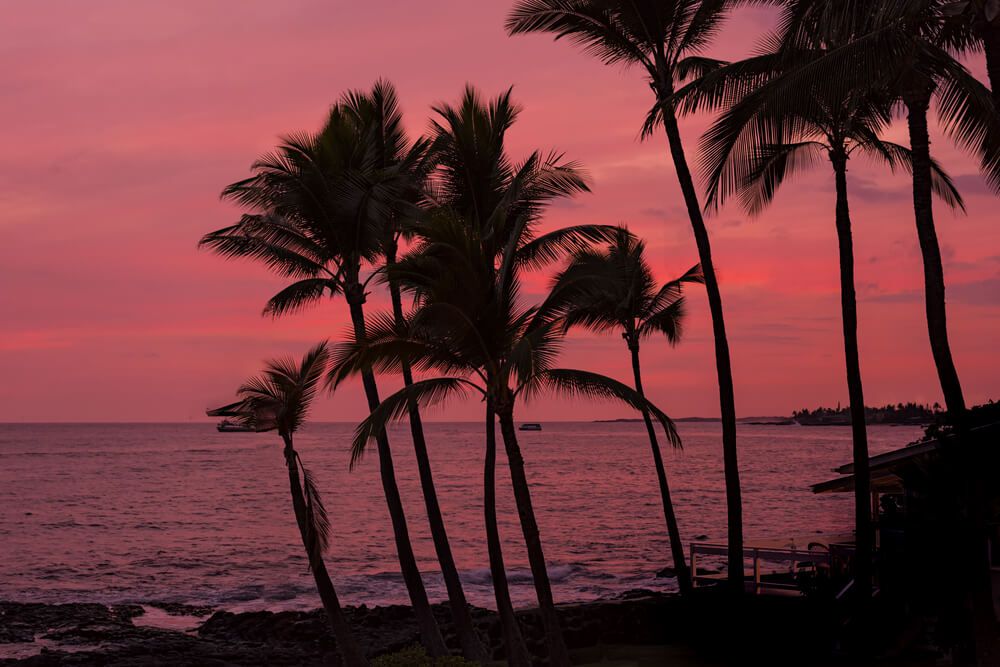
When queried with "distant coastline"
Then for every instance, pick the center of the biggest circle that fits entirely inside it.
(909, 414)
(768, 421)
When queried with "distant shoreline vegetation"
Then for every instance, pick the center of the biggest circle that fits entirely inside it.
(915, 414)
(901, 413)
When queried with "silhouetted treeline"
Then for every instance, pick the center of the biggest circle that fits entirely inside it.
(900, 413)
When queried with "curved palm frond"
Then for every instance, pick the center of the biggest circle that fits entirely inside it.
(425, 393)
(575, 383)
(301, 294)
(552, 247)
(900, 157)
(318, 529)
(668, 321)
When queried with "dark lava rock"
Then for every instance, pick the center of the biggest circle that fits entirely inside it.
(94, 634)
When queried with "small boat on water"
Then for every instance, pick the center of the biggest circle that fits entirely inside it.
(226, 426)
(530, 427)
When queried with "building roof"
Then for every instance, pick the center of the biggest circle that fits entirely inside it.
(885, 468)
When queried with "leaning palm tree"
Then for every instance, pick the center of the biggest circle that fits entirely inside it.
(773, 131)
(279, 400)
(317, 208)
(393, 152)
(613, 289)
(481, 231)
(663, 38)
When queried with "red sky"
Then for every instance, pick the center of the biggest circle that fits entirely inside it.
(123, 121)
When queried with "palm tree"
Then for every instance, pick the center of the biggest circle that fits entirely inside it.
(279, 400)
(663, 37)
(775, 130)
(317, 208)
(484, 343)
(982, 17)
(393, 152)
(613, 289)
(478, 236)
(908, 49)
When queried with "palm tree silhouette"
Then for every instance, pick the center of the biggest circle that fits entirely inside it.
(485, 343)
(463, 271)
(613, 289)
(982, 19)
(318, 207)
(774, 130)
(663, 38)
(907, 48)
(393, 152)
(278, 400)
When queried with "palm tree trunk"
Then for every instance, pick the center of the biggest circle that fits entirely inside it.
(676, 546)
(558, 654)
(472, 648)
(849, 315)
(723, 364)
(937, 322)
(348, 646)
(517, 652)
(429, 632)
(991, 44)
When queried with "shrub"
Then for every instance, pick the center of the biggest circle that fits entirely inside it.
(416, 656)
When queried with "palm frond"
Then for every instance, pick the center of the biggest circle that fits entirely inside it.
(554, 246)
(318, 529)
(424, 393)
(586, 24)
(300, 295)
(900, 157)
(668, 321)
(575, 383)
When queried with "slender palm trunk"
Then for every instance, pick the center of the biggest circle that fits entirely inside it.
(723, 364)
(676, 546)
(937, 322)
(517, 652)
(991, 44)
(348, 646)
(472, 648)
(849, 315)
(558, 654)
(429, 632)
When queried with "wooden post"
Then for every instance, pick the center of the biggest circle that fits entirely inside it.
(756, 572)
(694, 566)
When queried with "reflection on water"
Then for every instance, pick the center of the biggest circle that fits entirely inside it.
(182, 513)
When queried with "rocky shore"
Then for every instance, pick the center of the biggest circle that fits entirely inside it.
(703, 630)
(85, 634)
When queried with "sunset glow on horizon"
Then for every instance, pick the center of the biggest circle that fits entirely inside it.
(125, 120)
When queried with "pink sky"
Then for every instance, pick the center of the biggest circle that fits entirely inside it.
(124, 120)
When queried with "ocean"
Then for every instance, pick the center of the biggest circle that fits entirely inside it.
(148, 513)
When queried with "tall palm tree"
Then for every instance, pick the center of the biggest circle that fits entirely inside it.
(278, 400)
(317, 208)
(613, 289)
(479, 235)
(663, 38)
(775, 130)
(393, 152)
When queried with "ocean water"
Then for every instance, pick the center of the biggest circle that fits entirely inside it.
(180, 513)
